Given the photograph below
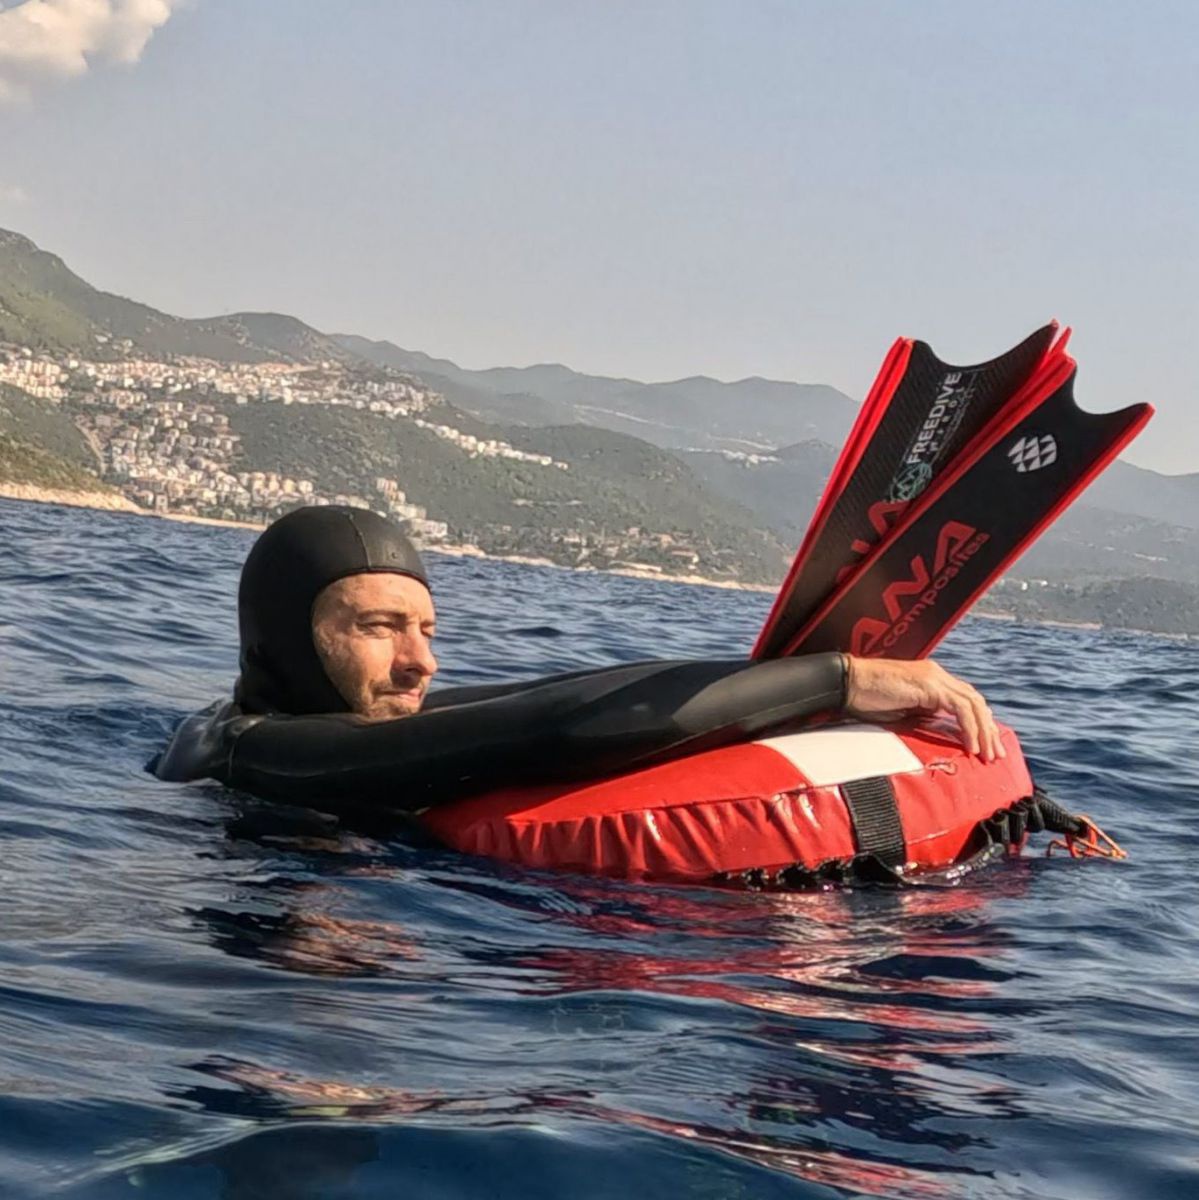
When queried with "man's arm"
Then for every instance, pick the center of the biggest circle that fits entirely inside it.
(470, 693)
(574, 726)
(571, 727)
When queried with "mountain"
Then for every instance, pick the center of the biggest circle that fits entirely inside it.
(749, 415)
(613, 485)
(1149, 603)
(455, 385)
(45, 305)
(1092, 540)
(1173, 499)
(689, 456)
(782, 489)
(1090, 543)
(278, 337)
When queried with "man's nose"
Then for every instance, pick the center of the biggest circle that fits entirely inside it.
(414, 653)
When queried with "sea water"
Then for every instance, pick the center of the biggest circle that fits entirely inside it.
(197, 1002)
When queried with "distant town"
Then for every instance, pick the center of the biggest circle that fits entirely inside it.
(160, 437)
(188, 436)
(163, 432)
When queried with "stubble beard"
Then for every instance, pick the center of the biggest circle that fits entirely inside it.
(391, 707)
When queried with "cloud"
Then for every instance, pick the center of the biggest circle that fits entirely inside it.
(12, 194)
(44, 41)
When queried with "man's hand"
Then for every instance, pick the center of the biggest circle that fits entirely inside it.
(886, 689)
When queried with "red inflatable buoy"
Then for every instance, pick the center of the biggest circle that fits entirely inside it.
(810, 798)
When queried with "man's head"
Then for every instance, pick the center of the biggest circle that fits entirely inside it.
(335, 616)
(372, 635)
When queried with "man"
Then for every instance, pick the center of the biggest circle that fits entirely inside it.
(331, 706)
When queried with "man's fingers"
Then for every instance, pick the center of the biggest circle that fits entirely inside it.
(996, 736)
(984, 721)
(974, 716)
(994, 747)
(881, 687)
(988, 733)
(967, 721)
(990, 743)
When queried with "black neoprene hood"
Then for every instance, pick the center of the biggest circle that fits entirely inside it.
(287, 568)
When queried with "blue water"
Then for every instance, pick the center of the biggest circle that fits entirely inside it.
(195, 1002)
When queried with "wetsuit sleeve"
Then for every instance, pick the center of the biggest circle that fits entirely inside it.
(570, 727)
(471, 692)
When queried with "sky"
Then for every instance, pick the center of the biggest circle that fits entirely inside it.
(651, 188)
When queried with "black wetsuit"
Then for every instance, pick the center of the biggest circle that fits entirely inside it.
(469, 740)
(286, 734)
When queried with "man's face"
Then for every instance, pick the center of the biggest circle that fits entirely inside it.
(372, 634)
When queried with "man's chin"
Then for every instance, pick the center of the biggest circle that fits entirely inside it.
(391, 706)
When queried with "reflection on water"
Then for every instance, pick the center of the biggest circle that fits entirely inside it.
(841, 1008)
(202, 996)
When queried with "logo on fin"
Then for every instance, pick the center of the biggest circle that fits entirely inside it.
(1032, 453)
(957, 543)
(911, 481)
(954, 394)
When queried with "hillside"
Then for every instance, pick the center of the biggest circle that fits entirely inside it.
(684, 475)
(23, 463)
(781, 490)
(1089, 543)
(1152, 605)
(46, 426)
(747, 415)
(45, 305)
(613, 485)
(41, 446)
(1172, 499)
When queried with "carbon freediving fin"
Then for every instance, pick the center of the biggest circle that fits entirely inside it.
(1018, 476)
(919, 415)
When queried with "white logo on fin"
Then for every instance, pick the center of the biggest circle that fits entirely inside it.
(1032, 453)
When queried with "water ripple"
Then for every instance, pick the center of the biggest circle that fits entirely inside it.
(204, 996)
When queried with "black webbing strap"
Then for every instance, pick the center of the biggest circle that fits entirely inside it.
(1034, 814)
(876, 824)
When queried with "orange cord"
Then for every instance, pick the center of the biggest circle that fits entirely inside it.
(1091, 843)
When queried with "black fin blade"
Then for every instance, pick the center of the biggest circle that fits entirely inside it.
(920, 581)
(931, 414)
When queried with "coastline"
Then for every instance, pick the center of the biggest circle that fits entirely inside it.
(113, 502)
(33, 494)
(1012, 618)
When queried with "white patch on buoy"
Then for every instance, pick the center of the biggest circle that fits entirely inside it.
(843, 753)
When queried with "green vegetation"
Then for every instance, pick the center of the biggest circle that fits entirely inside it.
(43, 425)
(749, 414)
(1152, 605)
(41, 446)
(36, 291)
(23, 463)
(620, 499)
